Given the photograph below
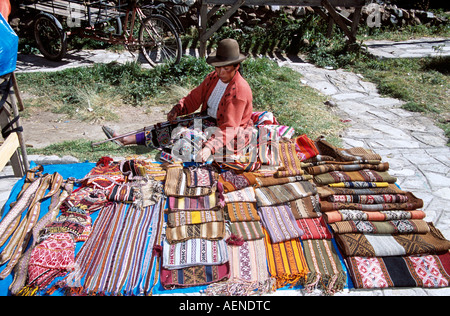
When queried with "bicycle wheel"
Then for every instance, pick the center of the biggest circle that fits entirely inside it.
(159, 41)
(50, 37)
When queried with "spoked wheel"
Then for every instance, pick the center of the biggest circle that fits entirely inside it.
(50, 37)
(159, 41)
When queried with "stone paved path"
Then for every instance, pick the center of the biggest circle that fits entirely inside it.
(414, 147)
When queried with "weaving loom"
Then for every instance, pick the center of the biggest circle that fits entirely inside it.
(136, 227)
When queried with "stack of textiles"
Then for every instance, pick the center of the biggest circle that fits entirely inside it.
(123, 202)
(379, 228)
(194, 249)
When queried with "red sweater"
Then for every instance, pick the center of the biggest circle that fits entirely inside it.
(233, 113)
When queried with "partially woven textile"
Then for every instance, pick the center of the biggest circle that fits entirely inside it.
(279, 194)
(326, 272)
(347, 215)
(194, 252)
(279, 223)
(365, 175)
(381, 245)
(286, 262)
(427, 271)
(249, 275)
(209, 230)
(405, 226)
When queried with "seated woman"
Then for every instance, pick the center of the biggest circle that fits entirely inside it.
(225, 97)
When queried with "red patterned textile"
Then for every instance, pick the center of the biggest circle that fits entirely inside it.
(314, 228)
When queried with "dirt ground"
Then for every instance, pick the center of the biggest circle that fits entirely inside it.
(45, 128)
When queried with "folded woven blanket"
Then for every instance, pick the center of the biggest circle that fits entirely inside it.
(369, 199)
(365, 175)
(286, 262)
(194, 276)
(249, 273)
(428, 271)
(328, 167)
(314, 228)
(210, 231)
(232, 181)
(194, 252)
(412, 204)
(241, 211)
(279, 223)
(404, 226)
(377, 245)
(279, 194)
(352, 154)
(205, 202)
(243, 195)
(251, 230)
(176, 184)
(179, 218)
(326, 191)
(307, 207)
(357, 215)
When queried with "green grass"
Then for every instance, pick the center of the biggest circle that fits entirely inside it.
(424, 84)
(276, 89)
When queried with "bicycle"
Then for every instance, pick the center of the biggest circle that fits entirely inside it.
(151, 28)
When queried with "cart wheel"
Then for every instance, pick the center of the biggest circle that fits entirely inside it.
(159, 41)
(50, 37)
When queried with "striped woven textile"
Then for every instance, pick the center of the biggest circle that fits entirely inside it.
(326, 271)
(241, 211)
(328, 167)
(249, 275)
(413, 203)
(279, 194)
(352, 154)
(194, 276)
(176, 184)
(364, 175)
(243, 195)
(379, 245)
(210, 231)
(269, 181)
(326, 191)
(307, 207)
(314, 228)
(279, 222)
(178, 218)
(205, 202)
(290, 163)
(251, 230)
(404, 226)
(359, 184)
(305, 147)
(427, 271)
(194, 252)
(286, 262)
(346, 215)
(369, 199)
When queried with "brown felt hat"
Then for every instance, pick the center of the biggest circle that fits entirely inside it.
(227, 53)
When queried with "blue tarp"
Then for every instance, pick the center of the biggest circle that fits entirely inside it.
(9, 43)
(78, 171)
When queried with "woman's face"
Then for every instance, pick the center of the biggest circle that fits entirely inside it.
(226, 73)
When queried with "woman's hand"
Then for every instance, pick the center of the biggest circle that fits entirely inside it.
(172, 115)
(203, 154)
